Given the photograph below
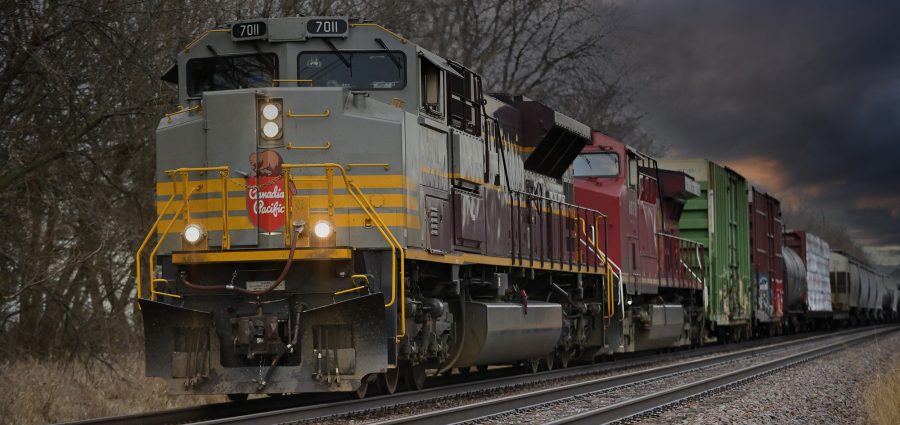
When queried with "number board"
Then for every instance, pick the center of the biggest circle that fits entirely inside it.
(326, 27)
(255, 30)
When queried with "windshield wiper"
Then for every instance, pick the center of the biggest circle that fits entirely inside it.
(390, 55)
(337, 52)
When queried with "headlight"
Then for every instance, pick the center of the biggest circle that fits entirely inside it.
(322, 229)
(269, 119)
(270, 111)
(270, 129)
(193, 233)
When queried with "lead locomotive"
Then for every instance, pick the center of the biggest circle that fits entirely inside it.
(338, 205)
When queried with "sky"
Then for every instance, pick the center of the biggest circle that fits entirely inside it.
(801, 97)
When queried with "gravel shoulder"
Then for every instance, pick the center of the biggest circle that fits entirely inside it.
(828, 390)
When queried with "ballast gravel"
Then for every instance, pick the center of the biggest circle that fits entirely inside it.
(827, 390)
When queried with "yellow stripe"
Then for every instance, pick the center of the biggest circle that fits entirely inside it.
(261, 255)
(339, 221)
(315, 201)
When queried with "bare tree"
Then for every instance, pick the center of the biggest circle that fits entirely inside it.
(817, 223)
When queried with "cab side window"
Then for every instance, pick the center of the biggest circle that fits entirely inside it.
(432, 88)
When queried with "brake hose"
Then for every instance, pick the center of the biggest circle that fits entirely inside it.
(278, 281)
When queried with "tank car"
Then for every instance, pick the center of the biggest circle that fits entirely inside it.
(844, 291)
(662, 273)
(338, 206)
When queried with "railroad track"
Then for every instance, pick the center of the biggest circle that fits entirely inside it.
(321, 406)
(633, 394)
(665, 398)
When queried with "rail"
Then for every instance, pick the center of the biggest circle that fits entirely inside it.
(370, 212)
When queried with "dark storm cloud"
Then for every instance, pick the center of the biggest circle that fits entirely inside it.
(804, 96)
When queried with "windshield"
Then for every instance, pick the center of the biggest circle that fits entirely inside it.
(367, 70)
(604, 164)
(231, 72)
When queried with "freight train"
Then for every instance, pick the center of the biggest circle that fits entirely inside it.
(339, 207)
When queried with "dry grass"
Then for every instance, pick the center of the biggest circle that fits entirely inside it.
(882, 397)
(38, 392)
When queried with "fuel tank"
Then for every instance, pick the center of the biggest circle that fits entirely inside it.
(499, 332)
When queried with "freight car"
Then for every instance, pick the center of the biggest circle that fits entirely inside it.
(863, 296)
(719, 220)
(766, 257)
(338, 206)
(808, 295)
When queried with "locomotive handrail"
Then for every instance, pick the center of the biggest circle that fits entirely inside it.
(325, 114)
(368, 24)
(277, 81)
(186, 199)
(608, 267)
(200, 37)
(137, 255)
(373, 215)
(326, 146)
(181, 110)
(681, 245)
(159, 242)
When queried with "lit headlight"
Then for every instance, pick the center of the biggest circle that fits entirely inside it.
(322, 229)
(270, 129)
(193, 233)
(270, 111)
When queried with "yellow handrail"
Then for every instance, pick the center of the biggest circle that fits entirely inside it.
(610, 309)
(224, 170)
(325, 114)
(276, 81)
(380, 225)
(402, 261)
(395, 35)
(137, 255)
(385, 166)
(181, 110)
(347, 291)
(163, 237)
(199, 37)
(326, 146)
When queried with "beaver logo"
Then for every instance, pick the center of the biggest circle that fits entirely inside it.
(265, 191)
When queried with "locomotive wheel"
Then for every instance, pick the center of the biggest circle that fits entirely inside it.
(415, 376)
(533, 365)
(387, 381)
(482, 368)
(464, 371)
(360, 392)
(237, 397)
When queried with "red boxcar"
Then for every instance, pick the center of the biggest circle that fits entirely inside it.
(766, 230)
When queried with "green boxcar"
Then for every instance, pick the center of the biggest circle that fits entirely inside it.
(719, 219)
